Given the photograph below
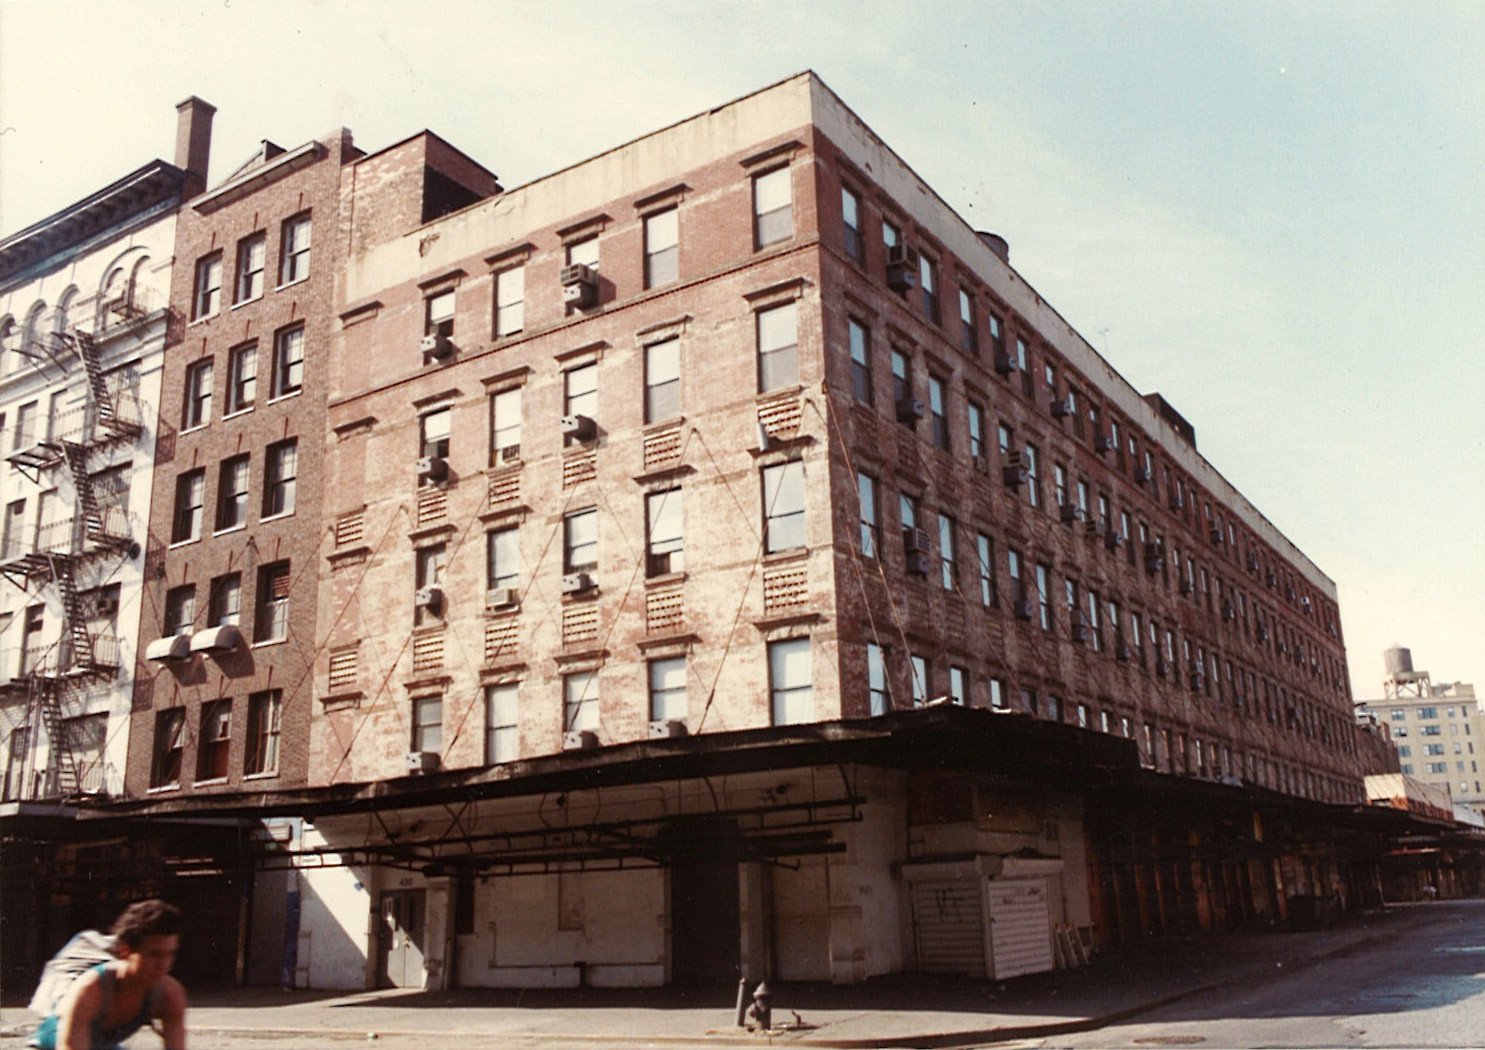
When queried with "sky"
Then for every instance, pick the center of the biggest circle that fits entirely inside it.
(1272, 213)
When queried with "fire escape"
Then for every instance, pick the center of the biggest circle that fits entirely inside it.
(47, 675)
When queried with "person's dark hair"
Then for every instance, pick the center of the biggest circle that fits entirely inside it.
(151, 918)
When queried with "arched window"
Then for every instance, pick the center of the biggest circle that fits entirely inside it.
(8, 361)
(35, 328)
(62, 315)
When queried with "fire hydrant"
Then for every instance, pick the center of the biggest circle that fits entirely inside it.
(761, 1011)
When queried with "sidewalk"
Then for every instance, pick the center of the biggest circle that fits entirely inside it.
(905, 1011)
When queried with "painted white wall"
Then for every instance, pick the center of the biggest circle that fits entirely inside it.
(336, 923)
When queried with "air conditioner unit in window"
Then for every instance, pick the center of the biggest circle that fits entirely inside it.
(579, 428)
(1014, 473)
(1154, 557)
(429, 598)
(106, 606)
(579, 285)
(1070, 513)
(1062, 406)
(1187, 586)
(1113, 540)
(1122, 650)
(433, 469)
(1215, 535)
(915, 548)
(909, 409)
(436, 347)
(1094, 528)
(502, 598)
(422, 762)
(671, 727)
(902, 268)
(658, 564)
(1081, 631)
(510, 454)
(1022, 608)
(1005, 363)
(579, 740)
(1176, 501)
(1106, 443)
(1144, 475)
(577, 583)
(1228, 612)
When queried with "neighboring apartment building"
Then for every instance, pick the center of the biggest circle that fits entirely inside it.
(84, 317)
(727, 556)
(1436, 729)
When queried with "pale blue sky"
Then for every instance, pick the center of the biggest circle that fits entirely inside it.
(1273, 213)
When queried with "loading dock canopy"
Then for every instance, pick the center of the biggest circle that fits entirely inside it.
(945, 737)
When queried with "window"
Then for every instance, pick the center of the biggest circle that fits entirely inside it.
(293, 253)
(1023, 365)
(662, 380)
(997, 694)
(985, 554)
(264, 712)
(902, 382)
(502, 723)
(505, 426)
(876, 679)
(225, 600)
(957, 687)
(790, 685)
(866, 495)
(280, 475)
(664, 539)
(166, 756)
(583, 252)
(252, 254)
(1013, 567)
(510, 301)
(433, 433)
(772, 219)
(918, 667)
(208, 295)
(778, 349)
(15, 764)
(215, 740)
(197, 410)
(976, 422)
(11, 542)
(891, 236)
(580, 541)
(190, 488)
(503, 558)
(997, 333)
(580, 701)
(850, 209)
(180, 609)
(428, 565)
(783, 506)
(580, 392)
(668, 689)
(938, 420)
(427, 723)
(232, 492)
(947, 552)
(242, 378)
(860, 339)
(438, 314)
(1033, 485)
(928, 282)
(969, 338)
(1059, 484)
(271, 615)
(1095, 628)
(1043, 598)
(288, 362)
(907, 510)
(662, 248)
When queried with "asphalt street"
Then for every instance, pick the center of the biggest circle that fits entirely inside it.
(1423, 988)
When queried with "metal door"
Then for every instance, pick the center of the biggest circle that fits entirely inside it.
(705, 922)
(949, 926)
(401, 939)
(1020, 927)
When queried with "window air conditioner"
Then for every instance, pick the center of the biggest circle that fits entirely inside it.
(428, 598)
(1144, 475)
(579, 285)
(915, 548)
(421, 762)
(1094, 528)
(510, 454)
(662, 730)
(1106, 443)
(502, 598)
(577, 583)
(436, 347)
(1070, 513)
(579, 428)
(433, 469)
(1004, 363)
(1081, 631)
(579, 740)
(1062, 406)
(1113, 540)
(106, 606)
(909, 409)
(1122, 650)
(1022, 608)
(1176, 501)
(902, 268)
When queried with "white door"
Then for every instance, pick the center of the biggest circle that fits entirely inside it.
(1020, 927)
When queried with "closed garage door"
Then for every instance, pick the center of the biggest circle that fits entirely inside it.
(1020, 927)
(948, 922)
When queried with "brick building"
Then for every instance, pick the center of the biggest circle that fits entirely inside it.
(712, 557)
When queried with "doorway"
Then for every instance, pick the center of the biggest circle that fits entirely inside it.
(401, 939)
(705, 943)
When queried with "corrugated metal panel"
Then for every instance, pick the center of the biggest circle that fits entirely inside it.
(949, 924)
(1020, 927)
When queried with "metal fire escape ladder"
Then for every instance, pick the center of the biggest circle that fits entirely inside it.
(45, 696)
(105, 409)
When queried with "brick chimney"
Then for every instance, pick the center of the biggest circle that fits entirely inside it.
(193, 142)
